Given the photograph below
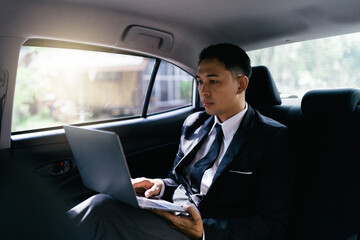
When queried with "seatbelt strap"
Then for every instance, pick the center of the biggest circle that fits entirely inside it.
(3, 90)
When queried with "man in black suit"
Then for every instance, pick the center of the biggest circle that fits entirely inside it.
(231, 171)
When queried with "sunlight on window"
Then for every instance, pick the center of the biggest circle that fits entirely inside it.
(59, 86)
(56, 86)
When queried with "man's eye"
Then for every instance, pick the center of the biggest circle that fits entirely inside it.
(213, 81)
(200, 82)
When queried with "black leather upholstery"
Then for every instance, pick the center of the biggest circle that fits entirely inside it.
(324, 134)
(330, 103)
(328, 163)
(262, 91)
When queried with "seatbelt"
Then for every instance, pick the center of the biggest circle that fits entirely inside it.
(3, 90)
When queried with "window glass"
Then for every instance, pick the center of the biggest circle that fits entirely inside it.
(172, 89)
(317, 64)
(59, 86)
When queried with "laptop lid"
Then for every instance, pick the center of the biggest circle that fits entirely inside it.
(101, 162)
(102, 165)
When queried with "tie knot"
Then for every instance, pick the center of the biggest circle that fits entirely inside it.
(219, 132)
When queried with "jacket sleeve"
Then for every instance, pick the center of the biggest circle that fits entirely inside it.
(170, 187)
(171, 183)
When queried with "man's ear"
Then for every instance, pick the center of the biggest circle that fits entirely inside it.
(243, 83)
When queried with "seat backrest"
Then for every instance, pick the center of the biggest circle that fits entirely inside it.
(263, 95)
(331, 103)
(262, 91)
(328, 166)
(324, 135)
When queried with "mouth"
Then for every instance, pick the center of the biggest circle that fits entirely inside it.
(206, 104)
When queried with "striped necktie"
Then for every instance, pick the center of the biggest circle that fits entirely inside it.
(197, 171)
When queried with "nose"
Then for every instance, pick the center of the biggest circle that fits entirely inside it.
(204, 89)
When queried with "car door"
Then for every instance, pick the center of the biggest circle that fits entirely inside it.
(147, 117)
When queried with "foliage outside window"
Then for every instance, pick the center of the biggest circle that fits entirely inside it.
(172, 88)
(57, 86)
(316, 64)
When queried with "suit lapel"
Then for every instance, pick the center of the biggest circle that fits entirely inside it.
(237, 144)
(194, 144)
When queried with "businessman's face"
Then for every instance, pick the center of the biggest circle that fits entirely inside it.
(221, 94)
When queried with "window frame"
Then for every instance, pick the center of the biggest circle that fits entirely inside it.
(145, 106)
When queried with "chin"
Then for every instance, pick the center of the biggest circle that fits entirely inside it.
(208, 111)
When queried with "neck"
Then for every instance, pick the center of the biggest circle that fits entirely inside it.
(224, 117)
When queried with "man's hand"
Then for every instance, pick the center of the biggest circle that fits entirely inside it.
(147, 187)
(190, 225)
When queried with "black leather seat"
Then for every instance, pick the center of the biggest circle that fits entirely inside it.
(330, 207)
(262, 91)
(325, 137)
(263, 95)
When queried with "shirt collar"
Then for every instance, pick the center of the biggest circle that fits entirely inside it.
(230, 126)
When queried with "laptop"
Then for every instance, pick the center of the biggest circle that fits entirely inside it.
(101, 162)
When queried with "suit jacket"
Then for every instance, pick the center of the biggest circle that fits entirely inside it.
(250, 194)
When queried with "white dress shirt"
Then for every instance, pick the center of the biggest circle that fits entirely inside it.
(229, 128)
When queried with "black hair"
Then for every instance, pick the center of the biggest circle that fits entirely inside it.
(233, 57)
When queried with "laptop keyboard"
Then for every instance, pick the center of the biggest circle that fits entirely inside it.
(146, 202)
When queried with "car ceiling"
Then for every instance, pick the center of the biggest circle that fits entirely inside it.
(193, 24)
(251, 24)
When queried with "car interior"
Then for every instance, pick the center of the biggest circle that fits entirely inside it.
(128, 67)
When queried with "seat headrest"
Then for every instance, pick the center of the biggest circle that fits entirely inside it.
(330, 102)
(262, 90)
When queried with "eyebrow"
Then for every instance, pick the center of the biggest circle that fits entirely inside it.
(209, 75)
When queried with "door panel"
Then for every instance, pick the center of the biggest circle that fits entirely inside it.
(150, 146)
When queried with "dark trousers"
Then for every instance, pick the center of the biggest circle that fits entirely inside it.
(102, 217)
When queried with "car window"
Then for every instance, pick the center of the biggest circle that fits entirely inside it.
(172, 88)
(317, 64)
(57, 86)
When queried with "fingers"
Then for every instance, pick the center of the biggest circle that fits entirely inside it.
(190, 225)
(167, 215)
(150, 187)
(141, 183)
(150, 192)
(154, 190)
(193, 216)
(170, 217)
(193, 212)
